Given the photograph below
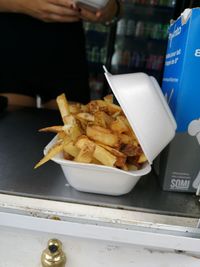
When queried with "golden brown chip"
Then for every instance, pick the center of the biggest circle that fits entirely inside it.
(75, 108)
(104, 156)
(85, 116)
(131, 150)
(97, 105)
(71, 127)
(71, 149)
(61, 135)
(63, 106)
(120, 157)
(67, 156)
(132, 167)
(54, 150)
(86, 152)
(102, 135)
(113, 108)
(119, 125)
(125, 139)
(102, 119)
(142, 158)
(108, 98)
(53, 129)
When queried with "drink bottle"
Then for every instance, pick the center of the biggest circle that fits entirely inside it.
(139, 30)
(121, 27)
(135, 60)
(130, 30)
(116, 59)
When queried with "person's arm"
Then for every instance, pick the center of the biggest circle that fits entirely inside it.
(8, 5)
(45, 10)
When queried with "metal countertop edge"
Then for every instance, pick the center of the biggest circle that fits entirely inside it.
(96, 215)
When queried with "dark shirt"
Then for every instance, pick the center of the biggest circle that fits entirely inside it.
(38, 57)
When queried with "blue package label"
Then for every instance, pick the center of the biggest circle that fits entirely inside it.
(181, 79)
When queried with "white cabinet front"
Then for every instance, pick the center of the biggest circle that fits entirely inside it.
(23, 248)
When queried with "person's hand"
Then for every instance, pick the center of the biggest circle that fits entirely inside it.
(103, 15)
(49, 10)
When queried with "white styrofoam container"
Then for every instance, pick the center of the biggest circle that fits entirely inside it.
(148, 113)
(97, 178)
(92, 4)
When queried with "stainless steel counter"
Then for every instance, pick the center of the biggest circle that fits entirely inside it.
(21, 146)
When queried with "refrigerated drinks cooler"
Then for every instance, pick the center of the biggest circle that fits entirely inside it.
(136, 44)
(141, 37)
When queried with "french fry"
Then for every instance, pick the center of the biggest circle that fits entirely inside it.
(125, 139)
(105, 157)
(120, 157)
(85, 116)
(131, 150)
(95, 161)
(102, 119)
(133, 161)
(130, 132)
(84, 108)
(142, 158)
(108, 98)
(87, 149)
(71, 149)
(119, 126)
(53, 129)
(85, 155)
(54, 150)
(82, 125)
(112, 150)
(113, 108)
(97, 105)
(71, 127)
(61, 135)
(102, 135)
(82, 141)
(67, 156)
(132, 167)
(74, 108)
(116, 114)
(125, 167)
(63, 106)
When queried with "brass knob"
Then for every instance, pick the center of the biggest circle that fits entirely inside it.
(53, 256)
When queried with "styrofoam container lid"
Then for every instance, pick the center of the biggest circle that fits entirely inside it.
(146, 109)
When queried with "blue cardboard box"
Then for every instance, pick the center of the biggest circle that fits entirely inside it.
(179, 166)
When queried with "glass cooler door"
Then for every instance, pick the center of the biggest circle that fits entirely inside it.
(141, 37)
